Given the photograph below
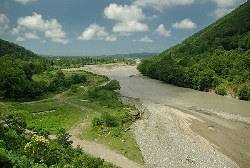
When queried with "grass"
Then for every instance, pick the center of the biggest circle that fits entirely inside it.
(63, 115)
(125, 144)
(67, 114)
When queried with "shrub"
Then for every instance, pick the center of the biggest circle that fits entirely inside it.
(220, 90)
(113, 85)
(97, 122)
(116, 132)
(110, 121)
(244, 93)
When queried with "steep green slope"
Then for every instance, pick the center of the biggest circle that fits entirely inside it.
(15, 51)
(217, 58)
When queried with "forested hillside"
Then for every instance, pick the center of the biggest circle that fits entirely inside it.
(15, 51)
(215, 58)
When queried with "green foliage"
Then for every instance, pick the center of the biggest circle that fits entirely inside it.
(216, 56)
(244, 93)
(109, 120)
(62, 138)
(71, 61)
(18, 149)
(15, 51)
(105, 97)
(113, 85)
(220, 90)
(76, 79)
(96, 122)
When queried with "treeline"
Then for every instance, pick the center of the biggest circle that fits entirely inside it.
(69, 62)
(133, 55)
(19, 148)
(216, 58)
(17, 82)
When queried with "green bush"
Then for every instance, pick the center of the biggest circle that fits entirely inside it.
(116, 132)
(113, 85)
(96, 122)
(244, 93)
(220, 90)
(109, 120)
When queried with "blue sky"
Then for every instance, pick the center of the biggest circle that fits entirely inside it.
(106, 27)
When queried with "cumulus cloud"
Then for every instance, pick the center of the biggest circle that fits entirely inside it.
(20, 38)
(123, 13)
(144, 39)
(184, 24)
(31, 36)
(161, 4)
(162, 31)
(220, 12)
(24, 1)
(95, 31)
(224, 7)
(130, 26)
(51, 29)
(128, 17)
(4, 21)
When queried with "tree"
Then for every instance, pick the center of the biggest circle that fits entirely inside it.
(63, 138)
(113, 85)
(13, 80)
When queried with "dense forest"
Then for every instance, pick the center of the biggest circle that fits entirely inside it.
(216, 58)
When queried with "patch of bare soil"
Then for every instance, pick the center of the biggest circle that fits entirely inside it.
(101, 151)
(233, 141)
(95, 149)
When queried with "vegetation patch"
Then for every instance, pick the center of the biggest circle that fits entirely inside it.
(215, 58)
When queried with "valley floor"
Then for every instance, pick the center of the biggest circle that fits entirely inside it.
(190, 137)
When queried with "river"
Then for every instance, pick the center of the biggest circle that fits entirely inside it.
(226, 119)
(144, 88)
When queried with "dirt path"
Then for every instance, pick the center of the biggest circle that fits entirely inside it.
(101, 151)
(95, 149)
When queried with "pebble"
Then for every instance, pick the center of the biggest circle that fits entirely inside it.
(163, 145)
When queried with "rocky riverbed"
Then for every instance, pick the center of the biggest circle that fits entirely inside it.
(180, 129)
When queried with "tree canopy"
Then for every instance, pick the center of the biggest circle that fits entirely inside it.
(217, 58)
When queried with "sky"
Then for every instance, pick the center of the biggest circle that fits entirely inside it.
(106, 27)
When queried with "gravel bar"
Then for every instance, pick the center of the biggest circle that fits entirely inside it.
(166, 140)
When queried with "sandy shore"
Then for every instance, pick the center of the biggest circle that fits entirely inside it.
(191, 137)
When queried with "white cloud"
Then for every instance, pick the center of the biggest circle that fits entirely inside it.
(220, 12)
(128, 18)
(31, 36)
(184, 24)
(161, 4)
(123, 13)
(130, 26)
(24, 1)
(95, 31)
(226, 3)
(224, 7)
(51, 29)
(152, 17)
(110, 38)
(4, 20)
(144, 39)
(20, 38)
(162, 31)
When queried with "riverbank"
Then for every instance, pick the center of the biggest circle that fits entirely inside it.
(177, 135)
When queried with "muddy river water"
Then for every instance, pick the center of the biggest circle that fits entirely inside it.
(227, 119)
(144, 88)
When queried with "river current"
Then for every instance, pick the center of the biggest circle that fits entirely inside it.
(137, 86)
